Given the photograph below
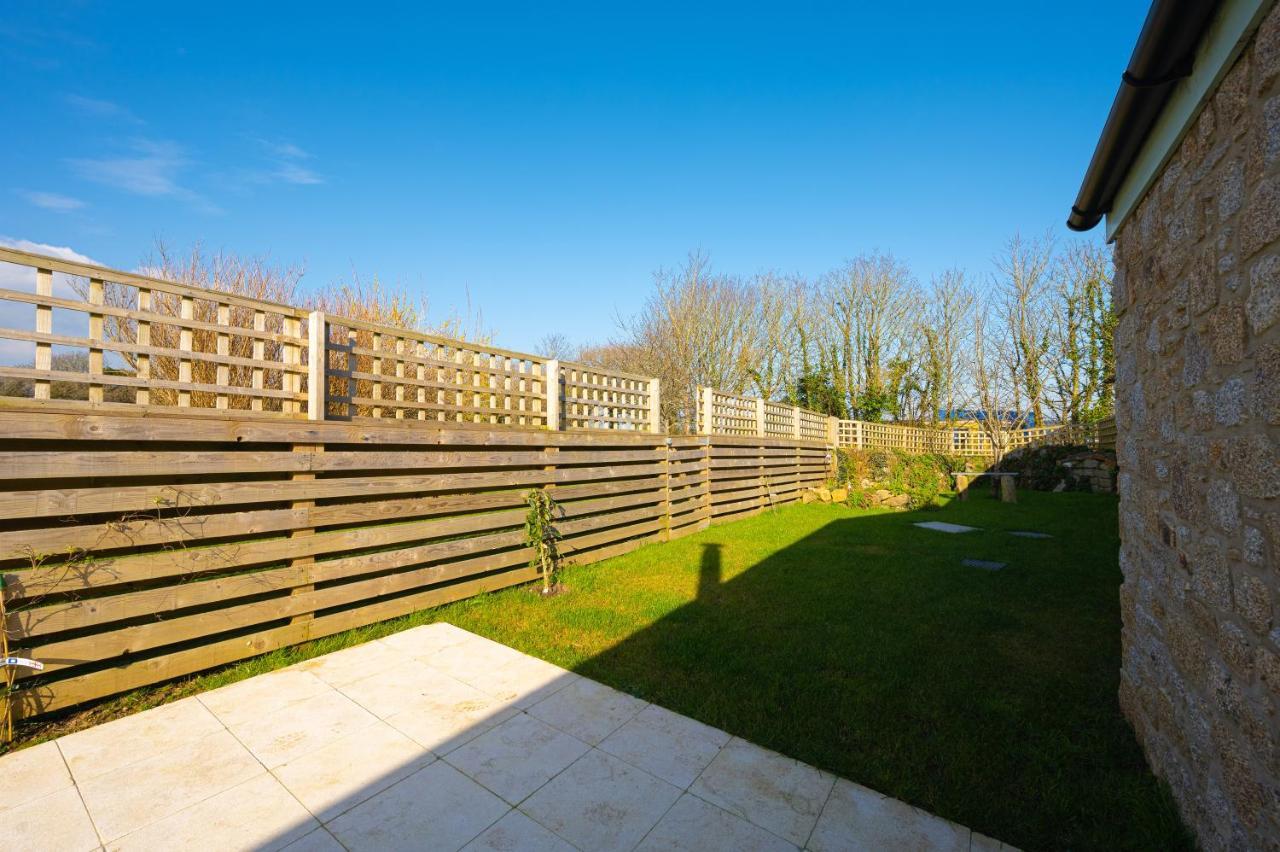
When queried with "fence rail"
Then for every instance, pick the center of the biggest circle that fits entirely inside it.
(97, 338)
(135, 549)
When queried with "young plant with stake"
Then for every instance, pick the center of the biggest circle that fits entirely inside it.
(541, 535)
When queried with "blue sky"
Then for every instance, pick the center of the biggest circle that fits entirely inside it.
(543, 162)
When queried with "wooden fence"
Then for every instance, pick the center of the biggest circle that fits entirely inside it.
(145, 545)
(721, 413)
(108, 340)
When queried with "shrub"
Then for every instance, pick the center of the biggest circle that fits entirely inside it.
(922, 477)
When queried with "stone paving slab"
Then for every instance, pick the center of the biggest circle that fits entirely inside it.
(944, 527)
(378, 747)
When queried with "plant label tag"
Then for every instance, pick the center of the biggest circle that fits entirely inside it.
(22, 661)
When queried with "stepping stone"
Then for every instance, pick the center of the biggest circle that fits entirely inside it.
(1029, 534)
(940, 526)
(984, 564)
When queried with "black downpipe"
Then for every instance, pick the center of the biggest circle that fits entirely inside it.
(1162, 57)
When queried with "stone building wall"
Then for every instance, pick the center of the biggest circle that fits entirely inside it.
(1198, 411)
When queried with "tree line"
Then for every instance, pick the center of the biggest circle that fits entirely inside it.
(1031, 342)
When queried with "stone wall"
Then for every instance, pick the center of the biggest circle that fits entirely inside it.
(1198, 406)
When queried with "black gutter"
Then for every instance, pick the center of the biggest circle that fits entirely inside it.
(1162, 57)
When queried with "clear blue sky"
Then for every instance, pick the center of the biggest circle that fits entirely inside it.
(547, 161)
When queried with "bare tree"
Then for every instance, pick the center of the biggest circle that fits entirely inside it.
(556, 345)
(1081, 337)
(997, 383)
(1023, 283)
(944, 327)
(871, 302)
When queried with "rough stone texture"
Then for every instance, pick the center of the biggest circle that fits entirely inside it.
(1197, 409)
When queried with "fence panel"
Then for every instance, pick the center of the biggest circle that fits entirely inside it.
(138, 549)
(382, 373)
(78, 333)
(607, 399)
(967, 440)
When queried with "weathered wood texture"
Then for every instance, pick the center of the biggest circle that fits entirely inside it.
(156, 344)
(142, 546)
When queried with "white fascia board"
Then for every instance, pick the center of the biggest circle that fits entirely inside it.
(1222, 43)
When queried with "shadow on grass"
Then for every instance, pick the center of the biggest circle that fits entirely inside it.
(859, 643)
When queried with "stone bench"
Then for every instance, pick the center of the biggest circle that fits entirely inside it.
(1003, 482)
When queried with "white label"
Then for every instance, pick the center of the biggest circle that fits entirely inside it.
(22, 661)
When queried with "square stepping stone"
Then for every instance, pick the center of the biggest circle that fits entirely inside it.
(517, 757)
(319, 840)
(984, 564)
(588, 710)
(944, 527)
(353, 768)
(779, 794)
(434, 808)
(673, 747)
(693, 825)
(601, 803)
(858, 818)
(523, 682)
(1029, 534)
(515, 832)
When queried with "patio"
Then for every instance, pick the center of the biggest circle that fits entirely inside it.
(435, 738)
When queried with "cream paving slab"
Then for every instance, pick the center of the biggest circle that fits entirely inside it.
(524, 682)
(673, 747)
(434, 808)
(694, 825)
(588, 710)
(415, 685)
(515, 832)
(120, 742)
(601, 803)
(319, 840)
(777, 793)
(858, 818)
(444, 727)
(57, 821)
(351, 769)
(355, 741)
(262, 695)
(300, 727)
(356, 663)
(258, 814)
(471, 658)
(427, 639)
(517, 757)
(31, 774)
(138, 794)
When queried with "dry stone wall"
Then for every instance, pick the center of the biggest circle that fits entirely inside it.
(1198, 411)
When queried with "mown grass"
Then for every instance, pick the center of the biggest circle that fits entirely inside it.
(854, 641)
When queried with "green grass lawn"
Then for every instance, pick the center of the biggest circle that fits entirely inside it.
(856, 642)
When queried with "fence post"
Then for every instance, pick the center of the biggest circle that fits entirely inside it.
(551, 381)
(759, 417)
(795, 422)
(655, 406)
(317, 361)
(706, 410)
(833, 431)
(857, 434)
